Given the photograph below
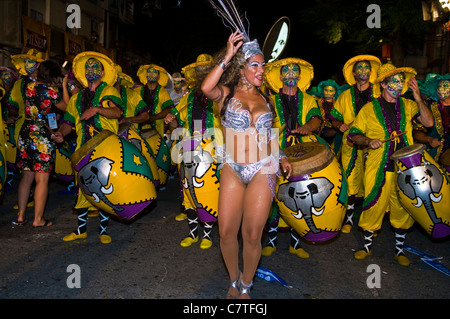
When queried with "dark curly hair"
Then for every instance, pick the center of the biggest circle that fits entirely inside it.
(49, 72)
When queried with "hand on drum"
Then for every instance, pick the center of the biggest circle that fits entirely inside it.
(286, 167)
(303, 130)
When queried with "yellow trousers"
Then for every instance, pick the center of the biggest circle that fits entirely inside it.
(372, 218)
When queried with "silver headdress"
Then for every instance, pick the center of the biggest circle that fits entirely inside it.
(231, 17)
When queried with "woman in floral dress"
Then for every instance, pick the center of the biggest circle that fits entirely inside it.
(36, 149)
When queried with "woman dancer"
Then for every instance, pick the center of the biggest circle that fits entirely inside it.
(36, 149)
(248, 175)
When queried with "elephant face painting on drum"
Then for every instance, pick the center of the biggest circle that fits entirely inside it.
(423, 189)
(313, 200)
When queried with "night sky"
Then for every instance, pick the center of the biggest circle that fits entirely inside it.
(175, 35)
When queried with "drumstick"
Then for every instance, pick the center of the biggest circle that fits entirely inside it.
(388, 139)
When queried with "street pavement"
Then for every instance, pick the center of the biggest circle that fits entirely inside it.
(145, 260)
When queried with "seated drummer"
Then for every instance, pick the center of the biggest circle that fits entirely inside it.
(388, 116)
(95, 108)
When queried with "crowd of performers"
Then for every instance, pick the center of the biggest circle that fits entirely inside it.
(176, 124)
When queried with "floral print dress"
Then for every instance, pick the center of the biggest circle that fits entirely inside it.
(36, 149)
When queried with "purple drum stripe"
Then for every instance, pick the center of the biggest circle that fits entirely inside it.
(440, 231)
(320, 237)
(411, 161)
(204, 216)
(132, 210)
(82, 162)
(298, 178)
(447, 168)
(190, 144)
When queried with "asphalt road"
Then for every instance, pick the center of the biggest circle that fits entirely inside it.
(146, 261)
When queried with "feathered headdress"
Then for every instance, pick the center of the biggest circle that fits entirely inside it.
(233, 19)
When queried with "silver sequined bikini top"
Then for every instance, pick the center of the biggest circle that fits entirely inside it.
(239, 120)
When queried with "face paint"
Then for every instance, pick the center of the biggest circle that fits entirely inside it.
(329, 92)
(395, 86)
(7, 78)
(152, 75)
(443, 90)
(94, 70)
(30, 66)
(362, 71)
(290, 74)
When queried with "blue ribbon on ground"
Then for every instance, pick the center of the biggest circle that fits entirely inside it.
(429, 259)
(268, 275)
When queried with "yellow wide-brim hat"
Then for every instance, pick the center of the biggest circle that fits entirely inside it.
(189, 70)
(387, 70)
(19, 59)
(163, 75)
(126, 80)
(79, 67)
(272, 73)
(348, 67)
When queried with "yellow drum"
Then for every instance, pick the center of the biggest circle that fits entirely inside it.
(113, 175)
(63, 165)
(313, 200)
(200, 177)
(423, 190)
(445, 161)
(128, 132)
(10, 145)
(161, 153)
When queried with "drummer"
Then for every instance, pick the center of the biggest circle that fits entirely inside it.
(154, 79)
(359, 72)
(298, 118)
(95, 108)
(388, 116)
(135, 110)
(328, 92)
(437, 138)
(194, 108)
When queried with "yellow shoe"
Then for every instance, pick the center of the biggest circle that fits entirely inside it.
(105, 239)
(346, 228)
(402, 260)
(181, 216)
(188, 241)
(206, 243)
(268, 251)
(29, 204)
(73, 236)
(299, 252)
(362, 254)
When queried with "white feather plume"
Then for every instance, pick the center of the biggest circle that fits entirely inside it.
(231, 16)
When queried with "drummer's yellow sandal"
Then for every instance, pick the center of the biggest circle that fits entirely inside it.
(205, 243)
(188, 241)
(73, 236)
(105, 239)
(402, 260)
(300, 252)
(362, 254)
(268, 251)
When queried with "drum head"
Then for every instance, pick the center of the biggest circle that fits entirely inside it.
(87, 147)
(307, 158)
(408, 151)
(445, 158)
(147, 133)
